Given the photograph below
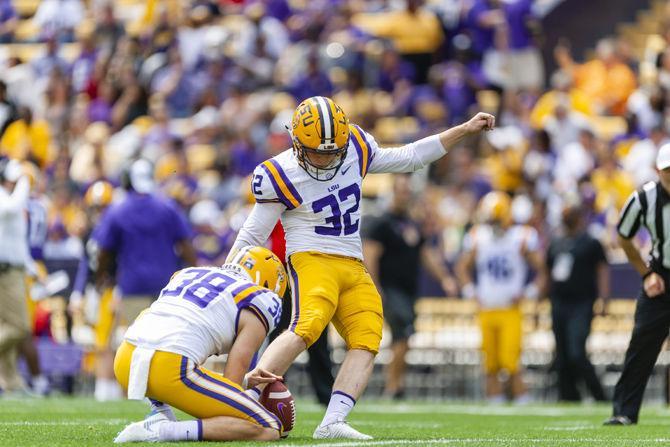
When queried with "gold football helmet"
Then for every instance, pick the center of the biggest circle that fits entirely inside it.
(99, 194)
(495, 207)
(264, 268)
(320, 135)
(31, 171)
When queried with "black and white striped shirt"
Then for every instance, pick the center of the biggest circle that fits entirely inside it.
(649, 206)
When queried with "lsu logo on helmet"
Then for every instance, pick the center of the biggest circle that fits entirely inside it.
(320, 136)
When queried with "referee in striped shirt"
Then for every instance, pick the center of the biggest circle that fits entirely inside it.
(649, 206)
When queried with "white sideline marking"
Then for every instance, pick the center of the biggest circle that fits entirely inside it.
(64, 423)
(410, 424)
(569, 426)
(477, 409)
(484, 410)
(505, 441)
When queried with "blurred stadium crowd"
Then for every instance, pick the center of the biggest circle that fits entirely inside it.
(204, 89)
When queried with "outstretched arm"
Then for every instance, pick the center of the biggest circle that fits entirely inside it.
(421, 153)
(481, 121)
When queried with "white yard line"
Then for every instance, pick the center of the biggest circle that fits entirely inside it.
(482, 410)
(81, 422)
(502, 441)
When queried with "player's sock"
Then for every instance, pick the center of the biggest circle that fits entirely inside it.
(101, 392)
(338, 408)
(253, 393)
(40, 385)
(164, 409)
(180, 431)
(107, 389)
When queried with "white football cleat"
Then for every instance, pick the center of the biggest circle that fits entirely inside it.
(142, 431)
(339, 430)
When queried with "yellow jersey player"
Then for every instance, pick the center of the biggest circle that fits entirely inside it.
(315, 188)
(501, 254)
(201, 312)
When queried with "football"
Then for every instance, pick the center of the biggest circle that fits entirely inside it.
(279, 401)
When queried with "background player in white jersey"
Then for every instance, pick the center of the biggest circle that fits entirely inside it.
(315, 188)
(201, 312)
(501, 254)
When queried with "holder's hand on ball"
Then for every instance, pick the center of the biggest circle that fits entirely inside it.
(259, 376)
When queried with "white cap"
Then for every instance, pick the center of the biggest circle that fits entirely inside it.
(205, 212)
(522, 209)
(13, 171)
(663, 157)
(142, 176)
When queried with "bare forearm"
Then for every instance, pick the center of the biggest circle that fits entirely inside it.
(431, 261)
(187, 253)
(373, 269)
(372, 251)
(103, 273)
(237, 365)
(451, 137)
(633, 255)
(463, 273)
(537, 263)
(481, 121)
(604, 281)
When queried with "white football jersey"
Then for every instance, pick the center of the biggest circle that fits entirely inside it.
(196, 314)
(502, 271)
(325, 216)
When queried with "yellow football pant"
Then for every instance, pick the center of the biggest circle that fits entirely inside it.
(501, 339)
(105, 325)
(335, 288)
(180, 382)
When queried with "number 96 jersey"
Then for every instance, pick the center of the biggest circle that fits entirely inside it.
(196, 314)
(502, 270)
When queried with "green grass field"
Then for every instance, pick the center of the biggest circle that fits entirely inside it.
(83, 422)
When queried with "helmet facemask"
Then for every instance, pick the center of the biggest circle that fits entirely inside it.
(321, 173)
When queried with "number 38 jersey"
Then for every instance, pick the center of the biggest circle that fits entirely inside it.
(196, 314)
(325, 216)
(502, 271)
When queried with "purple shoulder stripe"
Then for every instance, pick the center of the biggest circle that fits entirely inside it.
(284, 177)
(359, 151)
(367, 142)
(280, 194)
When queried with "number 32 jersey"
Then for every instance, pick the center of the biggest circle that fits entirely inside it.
(197, 312)
(325, 216)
